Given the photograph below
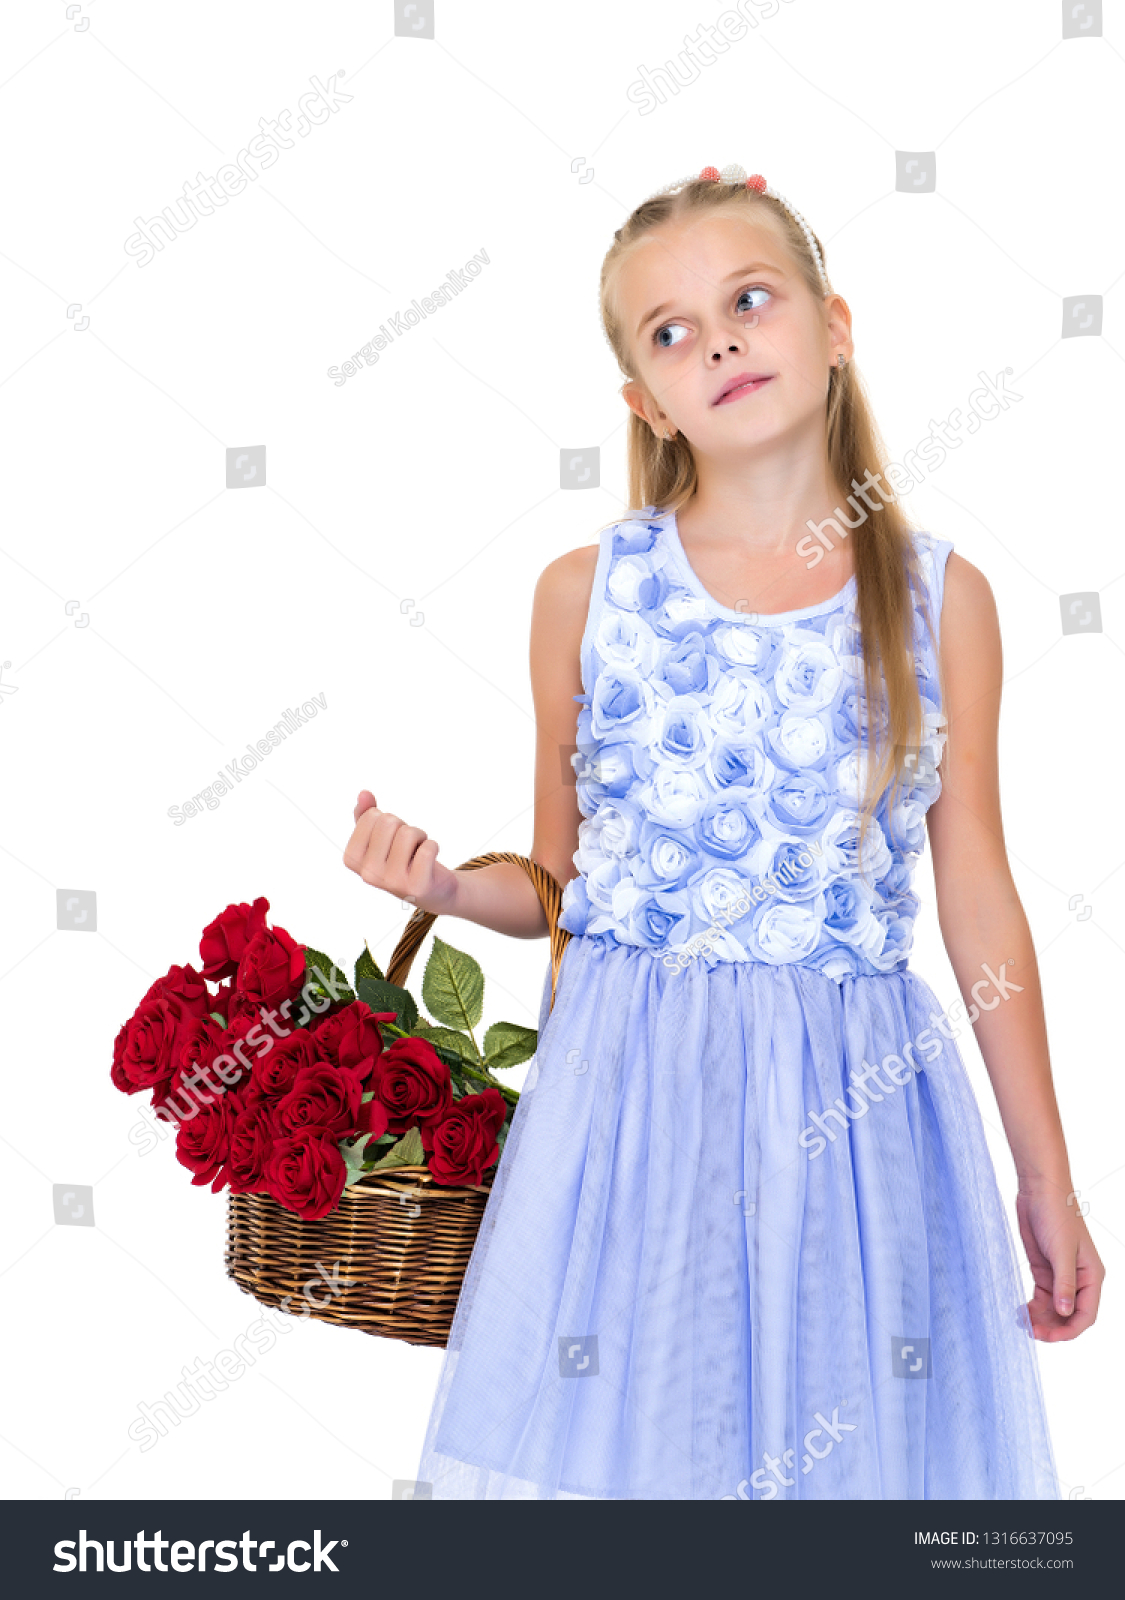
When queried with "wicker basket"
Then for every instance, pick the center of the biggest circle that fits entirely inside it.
(405, 1239)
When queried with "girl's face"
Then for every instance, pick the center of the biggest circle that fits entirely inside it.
(715, 299)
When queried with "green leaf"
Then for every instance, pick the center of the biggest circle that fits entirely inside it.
(353, 1153)
(353, 1158)
(459, 1044)
(332, 983)
(506, 1044)
(407, 1152)
(366, 967)
(383, 996)
(221, 1020)
(453, 986)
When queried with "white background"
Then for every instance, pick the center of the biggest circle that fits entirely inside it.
(430, 484)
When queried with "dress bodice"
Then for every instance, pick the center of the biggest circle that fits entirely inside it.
(719, 765)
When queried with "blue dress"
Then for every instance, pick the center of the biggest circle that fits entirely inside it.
(745, 1240)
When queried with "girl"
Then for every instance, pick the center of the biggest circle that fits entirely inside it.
(745, 1239)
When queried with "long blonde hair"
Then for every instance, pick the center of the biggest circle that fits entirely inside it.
(663, 474)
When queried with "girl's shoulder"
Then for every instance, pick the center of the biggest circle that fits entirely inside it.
(933, 552)
(968, 593)
(570, 578)
(570, 595)
(961, 596)
(947, 568)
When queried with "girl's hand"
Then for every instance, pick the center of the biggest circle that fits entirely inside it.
(1068, 1271)
(403, 861)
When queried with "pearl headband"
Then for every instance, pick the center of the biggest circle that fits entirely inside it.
(736, 174)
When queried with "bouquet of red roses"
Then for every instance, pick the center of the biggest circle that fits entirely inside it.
(300, 1107)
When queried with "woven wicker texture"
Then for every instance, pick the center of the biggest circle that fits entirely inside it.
(404, 1239)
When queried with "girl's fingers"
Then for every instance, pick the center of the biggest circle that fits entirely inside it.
(1085, 1310)
(420, 871)
(1055, 1324)
(364, 853)
(1065, 1272)
(1090, 1275)
(386, 852)
(422, 867)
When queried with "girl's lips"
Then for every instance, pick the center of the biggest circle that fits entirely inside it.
(743, 388)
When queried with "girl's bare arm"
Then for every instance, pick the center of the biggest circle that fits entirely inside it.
(988, 939)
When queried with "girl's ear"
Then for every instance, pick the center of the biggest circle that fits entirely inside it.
(646, 409)
(839, 323)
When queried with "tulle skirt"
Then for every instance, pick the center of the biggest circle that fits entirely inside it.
(741, 1244)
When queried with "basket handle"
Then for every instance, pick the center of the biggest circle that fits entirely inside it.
(550, 898)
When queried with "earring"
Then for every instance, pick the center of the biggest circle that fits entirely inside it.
(841, 361)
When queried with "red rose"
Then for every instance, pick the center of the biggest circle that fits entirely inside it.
(372, 1119)
(146, 1049)
(463, 1144)
(184, 984)
(412, 1081)
(272, 968)
(203, 1142)
(117, 1071)
(224, 941)
(306, 1173)
(322, 1096)
(273, 1074)
(251, 1140)
(242, 1011)
(351, 1037)
(202, 1042)
(245, 1052)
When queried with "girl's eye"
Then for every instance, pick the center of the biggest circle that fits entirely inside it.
(658, 336)
(746, 292)
(670, 328)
